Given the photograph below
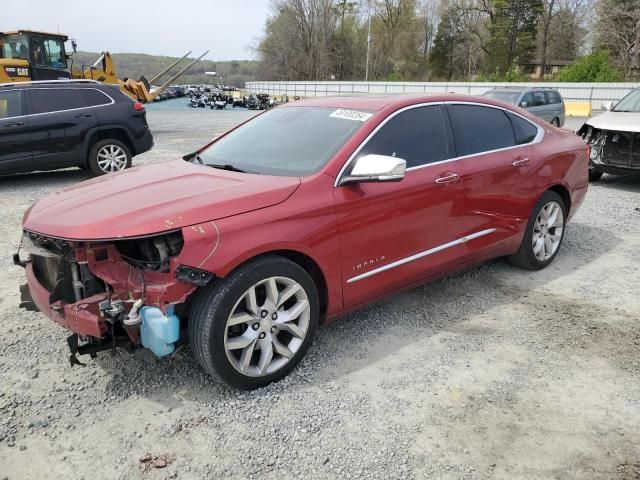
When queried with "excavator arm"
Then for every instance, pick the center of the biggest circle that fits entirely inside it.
(104, 70)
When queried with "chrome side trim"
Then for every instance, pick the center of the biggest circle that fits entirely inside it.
(420, 255)
(537, 139)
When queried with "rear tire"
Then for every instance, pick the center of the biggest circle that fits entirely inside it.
(239, 332)
(544, 233)
(109, 156)
(555, 122)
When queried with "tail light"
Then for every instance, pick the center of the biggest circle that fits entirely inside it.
(138, 107)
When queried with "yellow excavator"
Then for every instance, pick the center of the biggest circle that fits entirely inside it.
(26, 55)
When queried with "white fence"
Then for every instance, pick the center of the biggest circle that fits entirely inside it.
(597, 93)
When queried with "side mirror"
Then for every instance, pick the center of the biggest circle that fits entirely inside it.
(376, 168)
(524, 104)
(609, 106)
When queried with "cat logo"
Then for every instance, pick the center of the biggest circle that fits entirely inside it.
(17, 71)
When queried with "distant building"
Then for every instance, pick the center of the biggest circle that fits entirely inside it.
(534, 68)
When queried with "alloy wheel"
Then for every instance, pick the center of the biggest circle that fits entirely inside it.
(547, 231)
(267, 326)
(112, 158)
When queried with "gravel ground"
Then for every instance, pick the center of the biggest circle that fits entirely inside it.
(492, 373)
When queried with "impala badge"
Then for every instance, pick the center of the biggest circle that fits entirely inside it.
(368, 263)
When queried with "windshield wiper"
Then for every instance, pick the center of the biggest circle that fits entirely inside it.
(225, 166)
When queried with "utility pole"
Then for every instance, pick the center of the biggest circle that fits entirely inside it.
(366, 73)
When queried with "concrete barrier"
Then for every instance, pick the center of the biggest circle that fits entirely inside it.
(577, 109)
(598, 94)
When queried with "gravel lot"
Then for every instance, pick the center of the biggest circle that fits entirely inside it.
(493, 373)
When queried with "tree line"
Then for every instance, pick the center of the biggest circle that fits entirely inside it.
(429, 40)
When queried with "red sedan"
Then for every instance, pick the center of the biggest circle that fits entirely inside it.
(293, 218)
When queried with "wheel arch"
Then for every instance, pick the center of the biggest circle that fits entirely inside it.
(304, 261)
(564, 194)
(105, 133)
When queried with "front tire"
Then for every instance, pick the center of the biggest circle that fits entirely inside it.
(253, 327)
(109, 156)
(544, 234)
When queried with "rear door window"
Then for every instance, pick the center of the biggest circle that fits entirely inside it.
(539, 99)
(478, 129)
(93, 97)
(11, 104)
(417, 135)
(46, 100)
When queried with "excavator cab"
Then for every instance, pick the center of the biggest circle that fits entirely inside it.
(26, 55)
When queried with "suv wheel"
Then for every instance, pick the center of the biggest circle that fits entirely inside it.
(555, 121)
(109, 156)
(253, 327)
(544, 234)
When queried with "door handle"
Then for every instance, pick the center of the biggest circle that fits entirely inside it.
(83, 115)
(13, 124)
(521, 161)
(449, 177)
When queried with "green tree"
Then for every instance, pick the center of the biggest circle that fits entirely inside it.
(512, 33)
(442, 57)
(595, 67)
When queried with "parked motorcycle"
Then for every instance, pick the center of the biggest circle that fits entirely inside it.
(197, 99)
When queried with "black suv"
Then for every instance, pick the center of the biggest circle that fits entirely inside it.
(69, 123)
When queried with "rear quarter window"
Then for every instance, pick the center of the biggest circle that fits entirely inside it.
(93, 97)
(478, 129)
(524, 131)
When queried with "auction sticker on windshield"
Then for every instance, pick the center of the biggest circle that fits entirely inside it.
(352, 115)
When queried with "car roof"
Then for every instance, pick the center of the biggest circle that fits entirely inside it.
(380, 102)
(521, 89)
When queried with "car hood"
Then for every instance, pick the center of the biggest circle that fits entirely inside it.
(152, 199)
(621, 121)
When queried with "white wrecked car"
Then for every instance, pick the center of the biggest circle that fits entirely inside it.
(614, 137)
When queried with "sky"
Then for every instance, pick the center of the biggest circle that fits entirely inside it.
(228, 28)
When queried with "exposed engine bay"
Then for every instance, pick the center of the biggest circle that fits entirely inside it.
(119, 293)
(611, 150)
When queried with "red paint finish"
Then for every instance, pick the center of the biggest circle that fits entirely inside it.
(381, 223)
(152, 199)
(76, 317)
(228, 218)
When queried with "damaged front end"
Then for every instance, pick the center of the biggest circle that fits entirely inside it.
(119, 293)
(616, 152)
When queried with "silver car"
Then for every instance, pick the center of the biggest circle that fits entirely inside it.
(545, 103)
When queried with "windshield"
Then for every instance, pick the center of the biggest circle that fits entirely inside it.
(49, 52)
(15, 46)
(630, 103)
(292, 141)
(507, 97)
